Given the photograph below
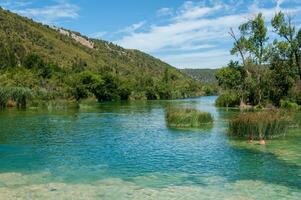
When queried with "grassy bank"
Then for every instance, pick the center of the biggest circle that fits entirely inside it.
(187, 118)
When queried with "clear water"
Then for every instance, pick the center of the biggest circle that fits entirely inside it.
(125, 151)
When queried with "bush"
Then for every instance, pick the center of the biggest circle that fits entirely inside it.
(227, 100)
(259, 125)
(86, 83)
(286, 104)
(137, 96)
(187, 118)
(109, 88)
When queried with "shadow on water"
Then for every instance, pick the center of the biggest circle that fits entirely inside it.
(129, 140)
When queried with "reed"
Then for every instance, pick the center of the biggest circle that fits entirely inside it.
(20, 96)
(16, 94)
(187, 118)
(4, 96)
(259, 125)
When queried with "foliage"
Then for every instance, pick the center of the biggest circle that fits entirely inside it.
(230, 77)
(210, 89)
(268, 71)
(187, 118)
(228, 100)
(289, 49)
(286, 104)
(137, 96)
(86, 83)
(206, 76)
(259, 125)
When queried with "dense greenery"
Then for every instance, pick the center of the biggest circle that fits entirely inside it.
(259, 125)
(268, 72)
(227, 100)
(206, 77)
(187, 118)
(54, 66)
(202, 75)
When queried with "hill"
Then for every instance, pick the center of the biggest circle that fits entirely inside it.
(202, 75)
(55, 63)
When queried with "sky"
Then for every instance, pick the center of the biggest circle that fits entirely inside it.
(186, 34)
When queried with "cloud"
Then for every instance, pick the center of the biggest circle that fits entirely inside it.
(132, 28)
(190, 11)
(164, 12)
(196, 34)
(49, 14)
(14, 4)
(193, 59)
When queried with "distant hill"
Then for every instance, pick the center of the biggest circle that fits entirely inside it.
(57, 63)
(202, 75)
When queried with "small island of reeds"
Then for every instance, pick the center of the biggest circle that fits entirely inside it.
(259, 125)
(187, 118)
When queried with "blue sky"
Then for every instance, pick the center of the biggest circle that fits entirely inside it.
(186, 34)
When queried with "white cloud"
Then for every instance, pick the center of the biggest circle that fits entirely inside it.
(192, 60)
(48, 14)
(190, 11)
(132, 28)
(196, 27)
(14, 4)
(164, 12)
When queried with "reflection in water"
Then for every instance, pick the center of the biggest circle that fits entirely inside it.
(125, 150)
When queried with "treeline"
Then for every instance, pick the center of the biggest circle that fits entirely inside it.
(44, 81)
(268, 72)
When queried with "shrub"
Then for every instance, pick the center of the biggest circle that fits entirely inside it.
(286, 104)
(137, 96)
(108, 89)
(227, 100)
(187, 118)
(259, 125)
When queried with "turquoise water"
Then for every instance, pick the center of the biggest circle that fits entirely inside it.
(125, 151)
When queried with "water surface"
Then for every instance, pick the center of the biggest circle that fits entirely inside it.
(125, 151)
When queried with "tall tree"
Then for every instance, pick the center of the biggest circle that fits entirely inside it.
(284, 28)
(253, 49)
(255, 33)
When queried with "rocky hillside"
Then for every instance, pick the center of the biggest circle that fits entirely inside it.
(203, 75)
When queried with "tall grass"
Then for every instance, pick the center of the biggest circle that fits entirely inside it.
(17, 94)
(4, 96)
(187, 118)
(259, 125)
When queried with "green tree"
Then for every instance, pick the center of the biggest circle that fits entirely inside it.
(290, 47)
(109, 89)
(253, 49)
(86, 84)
